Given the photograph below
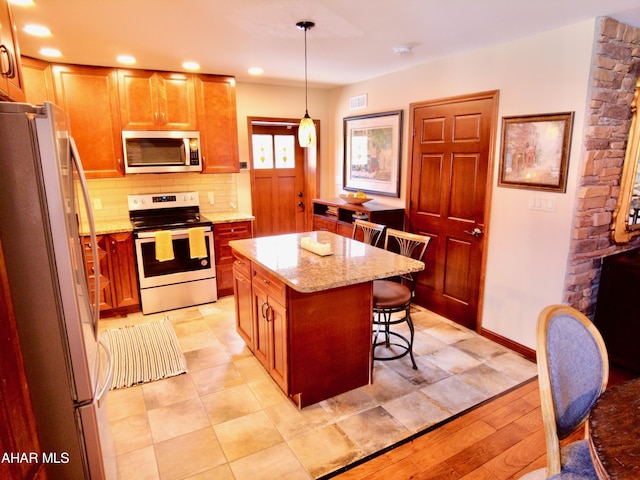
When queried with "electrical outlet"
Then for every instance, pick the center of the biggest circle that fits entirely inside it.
(97, 204)
(211, 199)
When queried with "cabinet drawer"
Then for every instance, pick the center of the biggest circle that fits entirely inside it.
(242, 264)
(344, 229)
(323, 223)
(225, 232)
(274, 287)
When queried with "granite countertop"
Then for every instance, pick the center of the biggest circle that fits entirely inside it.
(123, 225)
(351, 261)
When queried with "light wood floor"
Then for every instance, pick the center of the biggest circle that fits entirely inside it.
(503, 439)
(500, 440)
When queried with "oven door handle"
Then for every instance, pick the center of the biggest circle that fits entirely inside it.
(174, 232)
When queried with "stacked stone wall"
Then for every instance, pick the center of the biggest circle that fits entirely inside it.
(614, 72)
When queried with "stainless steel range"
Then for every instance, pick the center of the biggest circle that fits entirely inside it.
(174, 251)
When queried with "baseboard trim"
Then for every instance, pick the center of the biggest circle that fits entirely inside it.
(526, 352)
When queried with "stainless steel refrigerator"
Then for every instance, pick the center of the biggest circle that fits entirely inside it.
(44, 211)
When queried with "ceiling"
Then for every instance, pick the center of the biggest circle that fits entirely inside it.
(353, 40)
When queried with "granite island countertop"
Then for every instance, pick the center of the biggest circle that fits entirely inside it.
(351, 261)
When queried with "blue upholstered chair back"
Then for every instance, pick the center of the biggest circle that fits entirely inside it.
(576, 370)
(573, 370)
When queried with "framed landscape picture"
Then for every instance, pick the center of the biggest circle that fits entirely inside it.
(535, 151)
(372, 149)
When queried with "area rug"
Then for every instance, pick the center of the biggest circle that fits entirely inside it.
(144, 353)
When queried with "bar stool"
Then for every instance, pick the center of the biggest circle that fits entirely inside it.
(391, 297)
(372, 232)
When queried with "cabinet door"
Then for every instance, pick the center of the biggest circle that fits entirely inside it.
(261, 332)
(216, 102)
(38, 81)
(156, 100)
(245, 323)
(177, 101)
(103, 282)
(278, 345)
(11, 80)
(138, 99)
(124, 280)
(89, 95)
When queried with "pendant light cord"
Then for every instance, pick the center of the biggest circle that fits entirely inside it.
(305, 25)
(306, 100)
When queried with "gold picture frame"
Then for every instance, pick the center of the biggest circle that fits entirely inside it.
(535, 151)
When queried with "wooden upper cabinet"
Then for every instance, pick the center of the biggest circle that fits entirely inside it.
(89, 95)
(216, 101)
(157, 100)
(11, 81)
(38, 81)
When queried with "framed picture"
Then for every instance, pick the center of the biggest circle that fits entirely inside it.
(372, 148)
(535, 151)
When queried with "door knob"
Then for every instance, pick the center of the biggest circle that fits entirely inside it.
(476, 232)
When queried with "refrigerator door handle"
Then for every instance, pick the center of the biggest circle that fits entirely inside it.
(102, 393)
(94, 239)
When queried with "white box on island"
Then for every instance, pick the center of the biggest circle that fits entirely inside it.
(322, 249)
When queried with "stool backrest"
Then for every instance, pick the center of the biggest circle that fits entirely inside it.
(372, 232)
(409, 245)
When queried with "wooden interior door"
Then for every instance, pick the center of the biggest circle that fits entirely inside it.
(449, 197)
(278, 189)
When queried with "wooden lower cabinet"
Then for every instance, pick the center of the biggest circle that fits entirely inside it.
(337, 216)
(223, 233)
(245, 326)
(314, 345)
(118, 282)
(270, 316)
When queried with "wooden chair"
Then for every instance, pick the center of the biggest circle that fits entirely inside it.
(573, 370)
(391, 297)
(372, 232)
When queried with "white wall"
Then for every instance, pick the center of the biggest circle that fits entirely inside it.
(527, 250)
(256, 100)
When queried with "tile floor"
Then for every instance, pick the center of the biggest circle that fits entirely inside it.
(226, 419)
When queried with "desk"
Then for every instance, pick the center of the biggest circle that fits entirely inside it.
(307, 318)
(614, 432)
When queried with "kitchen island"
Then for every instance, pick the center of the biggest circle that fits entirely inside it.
(306, 317)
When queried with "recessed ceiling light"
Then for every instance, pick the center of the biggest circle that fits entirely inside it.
(256, 71)
(126, 59)
(22, 3)
(37, 30)
(50, 52)
(191, 65)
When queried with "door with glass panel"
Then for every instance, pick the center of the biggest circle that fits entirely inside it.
(278, 188)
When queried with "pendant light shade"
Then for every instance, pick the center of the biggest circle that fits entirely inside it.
(307, 132)
(307, 129)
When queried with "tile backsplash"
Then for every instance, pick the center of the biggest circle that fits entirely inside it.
(109, 195)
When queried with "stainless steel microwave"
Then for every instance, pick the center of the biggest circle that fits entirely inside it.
(161, 151)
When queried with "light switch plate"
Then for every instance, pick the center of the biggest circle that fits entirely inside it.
(546, 204)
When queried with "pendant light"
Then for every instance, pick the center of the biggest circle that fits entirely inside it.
(306, 130)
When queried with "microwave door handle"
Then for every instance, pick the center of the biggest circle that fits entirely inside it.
(185, 152)
(95, 313)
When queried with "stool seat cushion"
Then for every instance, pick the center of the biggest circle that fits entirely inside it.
(388, 294)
